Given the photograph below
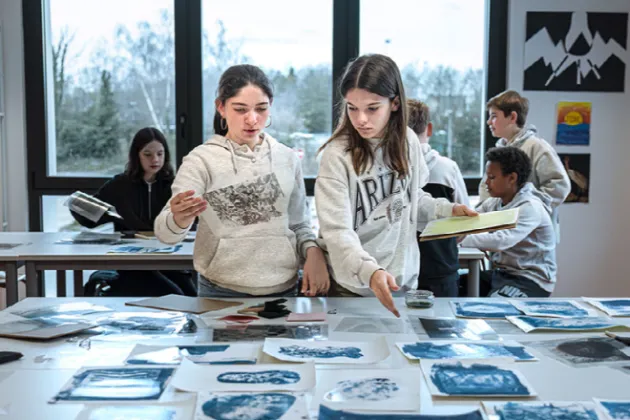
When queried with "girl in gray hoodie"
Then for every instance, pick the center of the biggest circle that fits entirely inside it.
(368, 192)
(248, 192)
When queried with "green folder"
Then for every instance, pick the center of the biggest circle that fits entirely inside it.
(463, 225)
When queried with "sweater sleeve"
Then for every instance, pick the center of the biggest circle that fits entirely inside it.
(553, 178)
(191, 175)
(299, 219)
(334, 209)
(528, 220)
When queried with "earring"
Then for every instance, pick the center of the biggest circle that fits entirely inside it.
(223, 124)
(269, 125)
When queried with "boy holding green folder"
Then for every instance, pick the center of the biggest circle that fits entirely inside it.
(523, 258)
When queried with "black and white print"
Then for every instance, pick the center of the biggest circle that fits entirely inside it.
(247, 203)
(576, 51)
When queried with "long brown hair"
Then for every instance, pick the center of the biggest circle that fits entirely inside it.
(378, 74)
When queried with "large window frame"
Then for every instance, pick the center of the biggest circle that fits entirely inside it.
(188, 79)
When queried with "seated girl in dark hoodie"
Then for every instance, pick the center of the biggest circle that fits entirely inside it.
(139, 194)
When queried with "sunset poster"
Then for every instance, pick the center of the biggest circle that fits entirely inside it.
(574, 123)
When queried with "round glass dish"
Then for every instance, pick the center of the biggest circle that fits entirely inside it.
(419, 298)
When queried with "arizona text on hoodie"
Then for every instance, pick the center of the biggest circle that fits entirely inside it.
(256, 228)
(368, 222)
(529, 250)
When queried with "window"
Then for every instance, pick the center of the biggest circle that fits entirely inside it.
(110, 71)
(439, 48)
(292, 42)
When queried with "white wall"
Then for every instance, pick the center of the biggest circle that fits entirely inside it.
(13, 63)
(593, 255)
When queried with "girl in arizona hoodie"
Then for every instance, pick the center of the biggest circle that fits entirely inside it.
(248, 192)
(368, 192)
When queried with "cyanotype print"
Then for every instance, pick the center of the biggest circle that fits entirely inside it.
(322, 353)
(476, 380)
(260, 332)
(463, 350)
(116, 384)
(274, 377)
(545, 411)
(481, 309)
(368, 389)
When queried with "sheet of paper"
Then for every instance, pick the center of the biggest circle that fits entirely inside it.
(238, 353)
(327, 413)
(439, 350)
(253, 405)
(614, 409)
(144, 412)
(277, 377)
(195, 305)
(475, 379)
(612, 307)
(261, 332)
(369, 325)
(552, 308)
(483, 309)
(115, 384)
(368, 389)
(39, 329)
(327, 352)
(132, 249)
(307, 317)
(584, 351)
(461, 224)
(147, 323)
(543, 410)
(531, 323)
(468, 329)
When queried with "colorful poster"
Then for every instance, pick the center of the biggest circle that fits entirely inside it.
(574, 124)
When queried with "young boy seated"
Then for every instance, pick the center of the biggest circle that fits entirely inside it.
(507, 118)
(524, 258)
(438, 259)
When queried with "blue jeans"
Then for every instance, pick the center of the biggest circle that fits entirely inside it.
(208, 289)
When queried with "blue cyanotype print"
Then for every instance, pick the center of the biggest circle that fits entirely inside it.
(587, 323)
(477, 379)
(617, 410)
(267, 406)
(326, 413)
(274, 377)
(619, 306)
(550, 307)
(328, 352)
(113, 384)
(429, 350)
(201, 350)
(545, 411)
(369, 389)
(485, 309)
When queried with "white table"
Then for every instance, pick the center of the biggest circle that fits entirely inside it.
(45, 367)
(41, 252)
(45, 254)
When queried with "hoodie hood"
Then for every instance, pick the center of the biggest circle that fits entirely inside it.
(527, 193)
(430, 156)
(525, 133)
(261, 151)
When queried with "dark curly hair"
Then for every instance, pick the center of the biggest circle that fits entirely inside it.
(511, 159)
